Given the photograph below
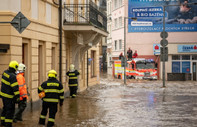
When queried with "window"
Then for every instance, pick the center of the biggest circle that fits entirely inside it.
(120, 22)
(116, 23)
(48, 13)
(185, 57)
(175, 67)
(120, 3)
(181, 63)
(194, 57)
(120, 44)
(93, 63)
(115, 4)
(176, 57)
(34, 9)
(115, 44)
(186, 67)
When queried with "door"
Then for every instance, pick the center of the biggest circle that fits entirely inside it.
(194, 69)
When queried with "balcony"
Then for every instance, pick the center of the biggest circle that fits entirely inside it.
(85, 14)
(84, 26)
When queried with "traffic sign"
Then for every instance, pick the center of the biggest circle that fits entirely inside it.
(164, 34)
(165, 51)
(164, 42)
(165, 57)
(20, 22)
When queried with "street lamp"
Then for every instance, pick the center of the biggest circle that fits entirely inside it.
(164, 36)
(125, 60)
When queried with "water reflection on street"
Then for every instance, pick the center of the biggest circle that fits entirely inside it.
(138, 104)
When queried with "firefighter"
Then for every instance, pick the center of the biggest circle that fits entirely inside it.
(23, 93)
(9, 94)
(73, 82)
(53, 93)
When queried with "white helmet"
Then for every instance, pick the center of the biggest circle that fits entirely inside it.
(21, 67)
(72, 67)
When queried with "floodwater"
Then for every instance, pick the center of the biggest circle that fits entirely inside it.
(137, 104)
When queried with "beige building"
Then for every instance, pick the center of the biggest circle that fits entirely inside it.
(38, 45)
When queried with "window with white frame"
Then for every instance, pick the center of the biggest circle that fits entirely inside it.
(120, 22)
(110, 8)
(181, 63)
(115, 4)
(120, 44)
(48, 13)
(115, 44)
(120, 3)
(116, 23)
(34, 9)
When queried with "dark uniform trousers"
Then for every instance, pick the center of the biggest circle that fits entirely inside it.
(73, 91)
(52, 111)
(8, 112)
(21, 107)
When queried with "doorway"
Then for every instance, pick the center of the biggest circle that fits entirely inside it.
(194, 69)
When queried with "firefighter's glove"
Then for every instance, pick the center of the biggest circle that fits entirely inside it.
(16, 100)
(61, 103)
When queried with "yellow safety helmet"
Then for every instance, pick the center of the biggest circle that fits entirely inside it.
(52, 73)
(72, 67)
(14, 64)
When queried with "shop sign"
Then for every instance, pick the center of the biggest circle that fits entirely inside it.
(156, 49)
(187, 48)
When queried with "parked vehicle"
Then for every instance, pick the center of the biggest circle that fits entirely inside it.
(138, 68)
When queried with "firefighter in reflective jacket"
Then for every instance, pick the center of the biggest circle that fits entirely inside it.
(73, 82)
(23, 93)
(54, 93)
(9, 94)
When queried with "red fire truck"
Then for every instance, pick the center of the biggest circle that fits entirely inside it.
(138, 68)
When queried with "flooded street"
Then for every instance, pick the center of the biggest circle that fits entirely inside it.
(138, 104)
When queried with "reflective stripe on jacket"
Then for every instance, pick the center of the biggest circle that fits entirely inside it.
(9, 84)
(73, 78)
(22, 86)
(53, 89)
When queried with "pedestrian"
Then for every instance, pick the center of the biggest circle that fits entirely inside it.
(129, 54)
(73, 82)
(120, 56)
(54, 94)
(9, 93)
(23, 93)
(135, 55)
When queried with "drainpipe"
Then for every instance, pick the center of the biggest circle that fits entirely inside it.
(60, 40)
(87, 69)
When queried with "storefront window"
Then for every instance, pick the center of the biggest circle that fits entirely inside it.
(176, 57)
(175, 67)
(194, 57)
(185, 57)
(186, 67)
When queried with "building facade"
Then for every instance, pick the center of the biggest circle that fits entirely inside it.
(109, 37)
(38, 45)
(143, 35)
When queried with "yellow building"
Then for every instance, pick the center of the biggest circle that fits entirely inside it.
(38, 45)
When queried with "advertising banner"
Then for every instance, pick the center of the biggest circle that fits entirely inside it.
(156, 49)
(187, 48)
(179, 16)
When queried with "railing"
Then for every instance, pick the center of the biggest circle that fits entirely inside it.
(85, 14)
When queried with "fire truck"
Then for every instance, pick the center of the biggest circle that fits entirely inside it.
(137, 68)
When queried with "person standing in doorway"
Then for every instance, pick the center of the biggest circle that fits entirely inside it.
(9, 94)
(53, 94)
(23, 93)
(73, 81)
